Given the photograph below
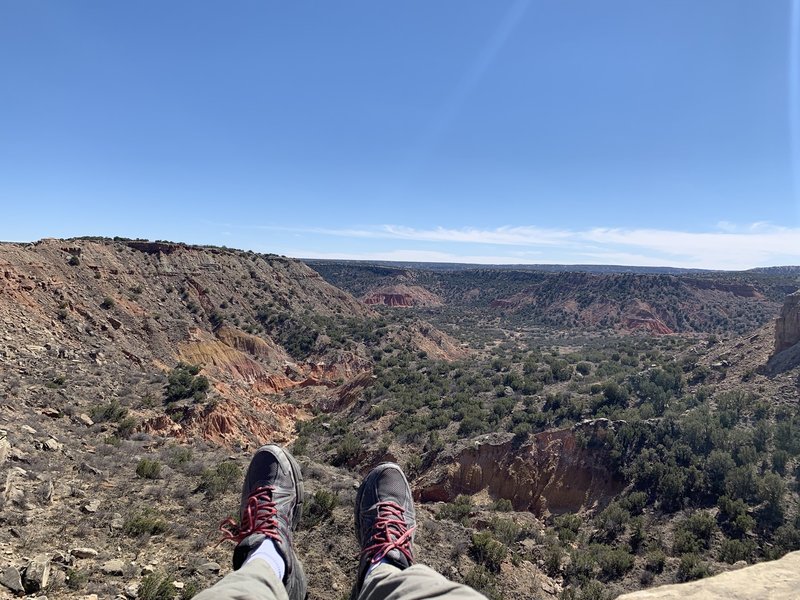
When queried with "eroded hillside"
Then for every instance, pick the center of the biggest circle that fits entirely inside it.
(547, 461)
(654, 302)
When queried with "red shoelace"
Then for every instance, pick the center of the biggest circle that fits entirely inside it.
(259, 516)
(389, 532)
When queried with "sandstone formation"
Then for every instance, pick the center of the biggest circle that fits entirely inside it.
(774, 580)
(640, 316)
(550, 474)
(402, 296)
(787, 325)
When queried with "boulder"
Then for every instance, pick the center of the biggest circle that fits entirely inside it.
(117, 521)
(83, 552)
(53, 445)
(12, 579)
(37, 574)
(209, 568)
(5, 448)
(114, 566)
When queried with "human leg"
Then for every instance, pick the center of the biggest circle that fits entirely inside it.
(256, 580)
(417, 582)
(385, 522)
(265, 564)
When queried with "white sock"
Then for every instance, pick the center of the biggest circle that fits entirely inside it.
(369, 570)
(269, 554)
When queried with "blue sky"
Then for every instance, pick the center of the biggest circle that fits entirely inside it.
(664, 132)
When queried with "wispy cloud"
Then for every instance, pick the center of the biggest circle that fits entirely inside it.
(727, 246)
(416, 256)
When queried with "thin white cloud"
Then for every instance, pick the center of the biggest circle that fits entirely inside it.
(728, 246)
(414, 256)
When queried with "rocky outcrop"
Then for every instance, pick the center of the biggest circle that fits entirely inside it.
(552, 473)
(423, 337)
(640, 316)
(787, 325)
(402, 296)
(245, 422)
(260, 347)
(743, 290)
(504, 303)
(155, 247)
(220, 360)
(348, 392)
(776, 580)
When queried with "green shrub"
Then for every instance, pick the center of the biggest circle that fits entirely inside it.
(584, 368)
(190, 590)
(107, 303)
(691, 568)
(111, 411)
(685, 542)
(581, 566)
(567, 526)
(634, 502)
(220, 479)
(457, 511)
(76, 579)
(591, 590)
(347, 449)
(637, 536)
(732, 551)
(184, 382)
(488, 551)
(483, 581)
(734, 517)
(148, 469)
(552, 559)
(413, 465)
(655, 561)
(612, 520)
(319, 507)
(694, 533)
(156, 586)
(125, 427)
(505, 530)
(502, 505)
(179, 455)
(146, 521)
(614, 562)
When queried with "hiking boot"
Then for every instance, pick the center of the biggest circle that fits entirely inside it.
(272, 502)
(385, 521)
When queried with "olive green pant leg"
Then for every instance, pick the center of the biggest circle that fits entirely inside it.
(418, 582)
(254, 581)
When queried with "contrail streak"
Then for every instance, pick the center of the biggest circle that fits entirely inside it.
(445, 116)
(474, 75)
